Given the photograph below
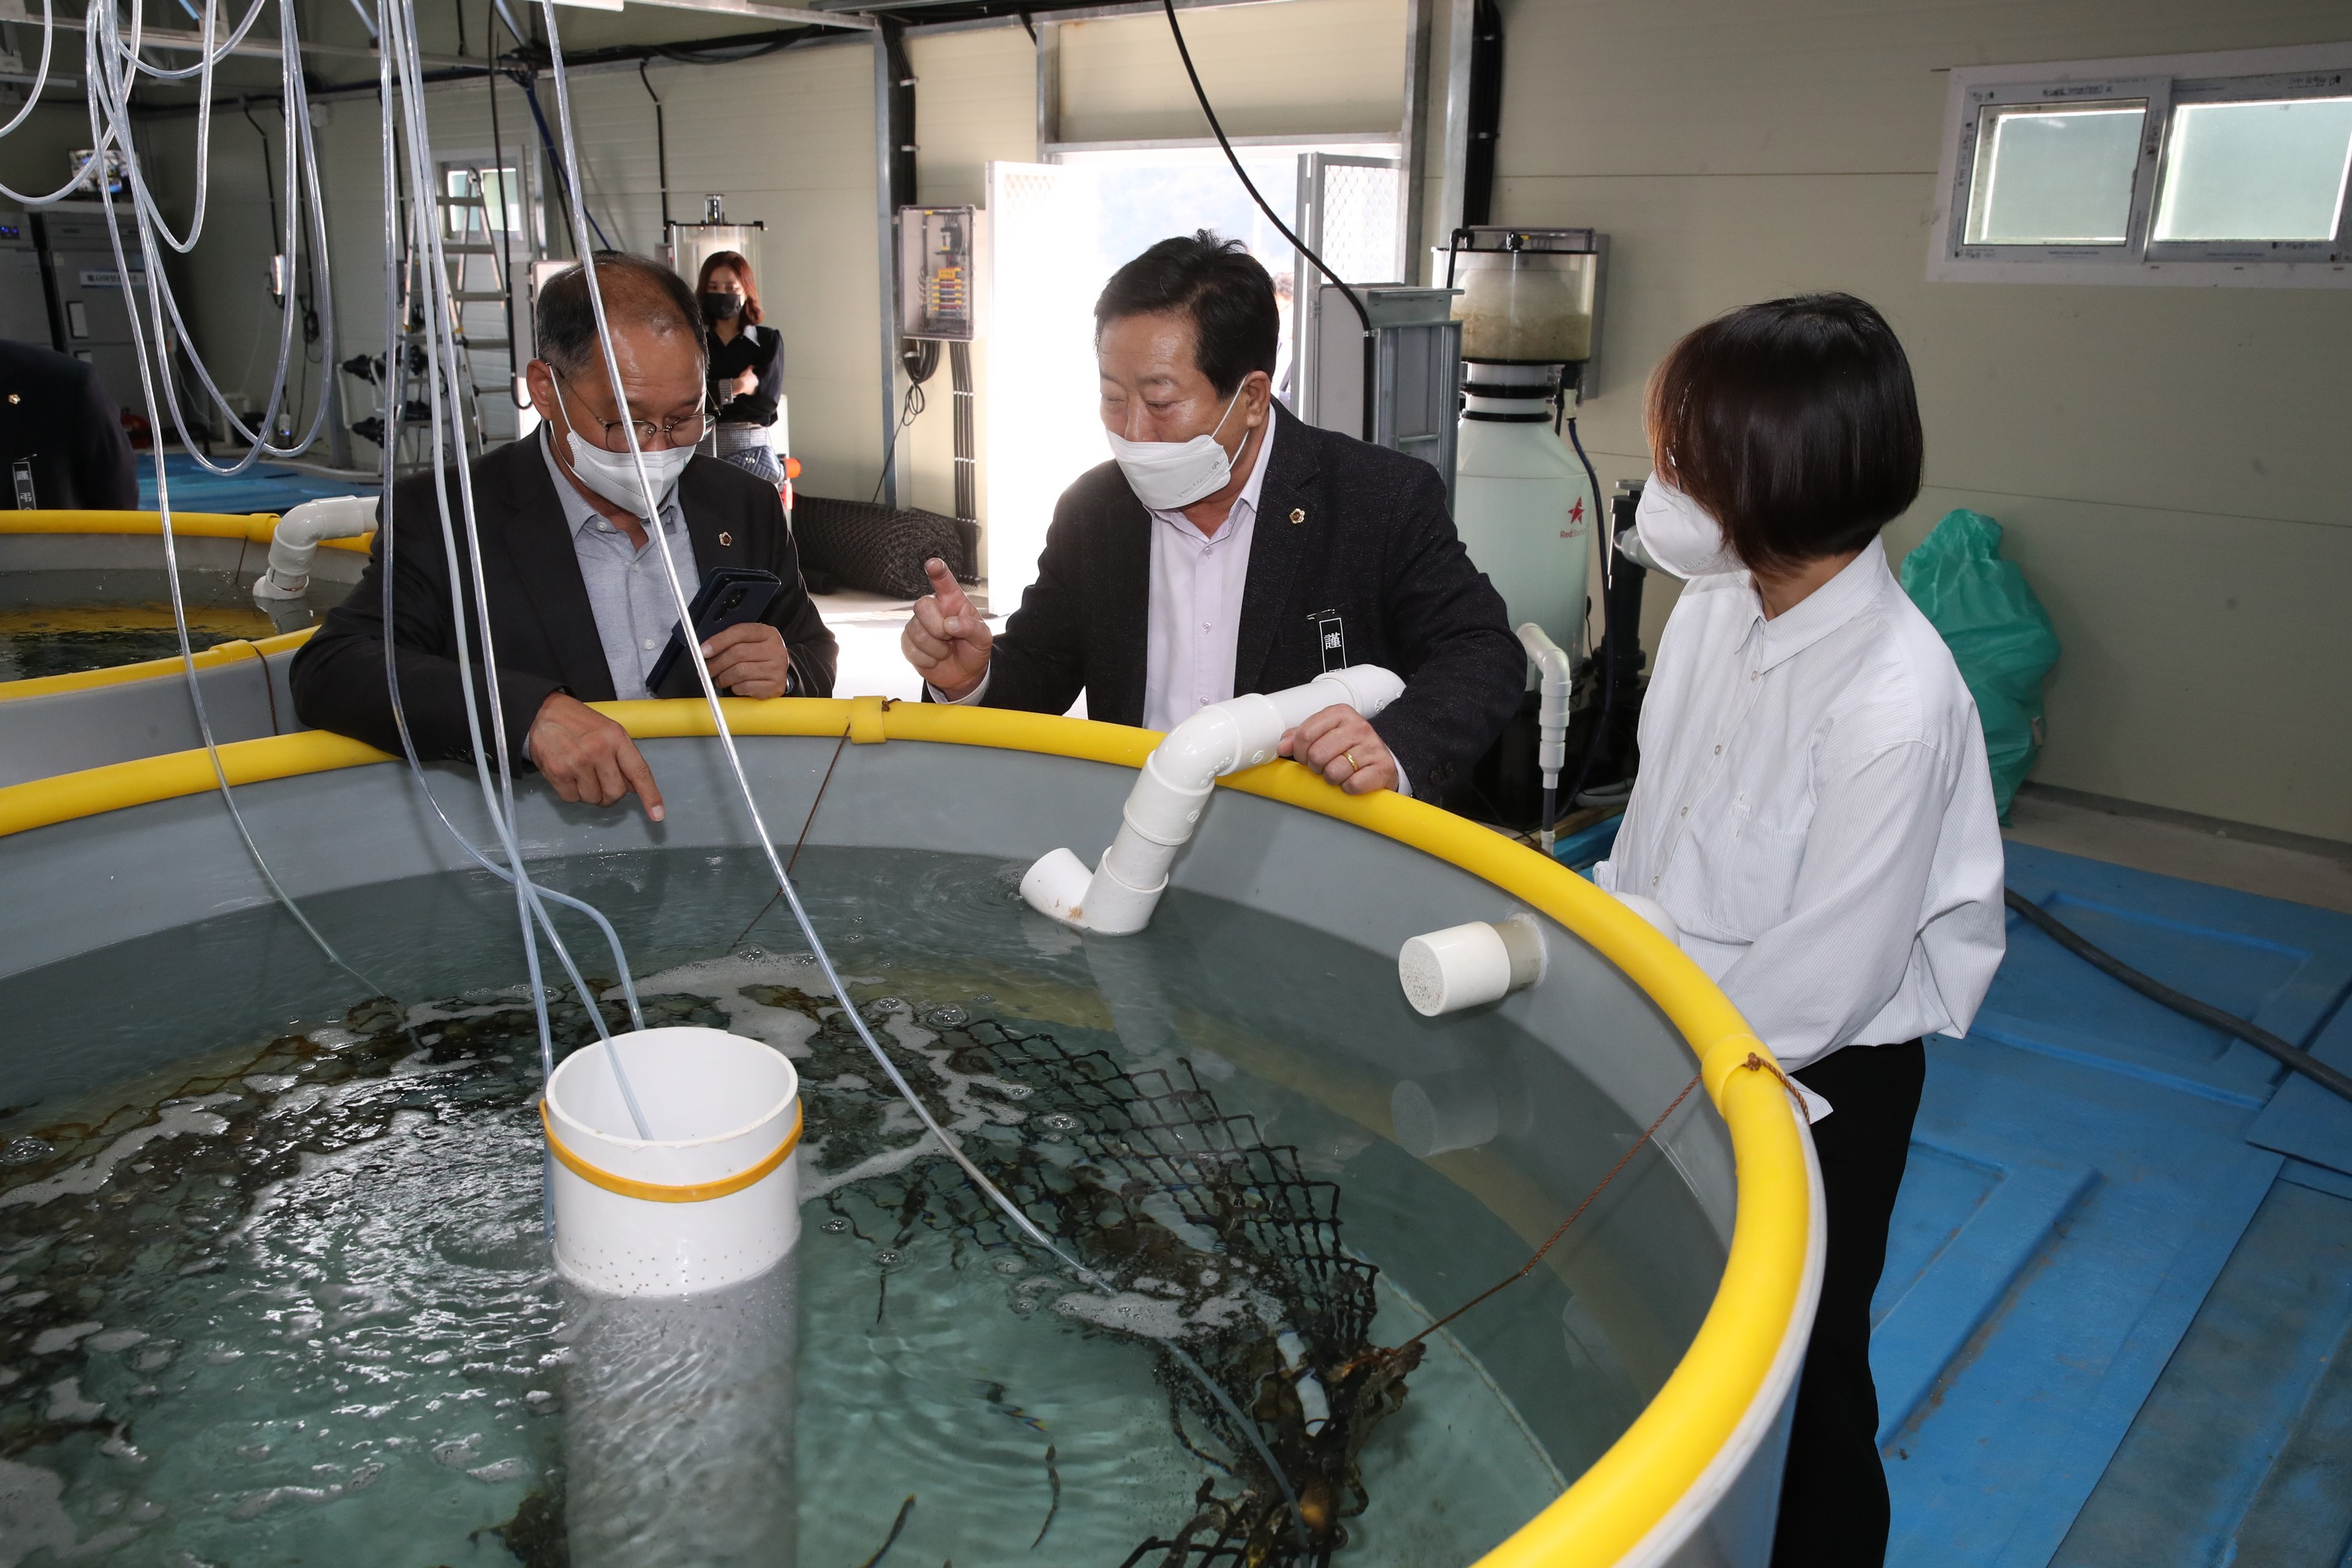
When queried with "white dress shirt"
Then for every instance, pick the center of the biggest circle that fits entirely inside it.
(628, 591)
(1197, 582)
(1196, 613)
(1815, 811)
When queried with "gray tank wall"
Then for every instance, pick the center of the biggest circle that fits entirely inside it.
(127, 873)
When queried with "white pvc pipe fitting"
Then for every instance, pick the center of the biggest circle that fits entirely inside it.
(1470, 965)
(1551, 714)
(1117, 897)
(297, 537)
(1654, 912)
(713, 1199)
(1444, 1112)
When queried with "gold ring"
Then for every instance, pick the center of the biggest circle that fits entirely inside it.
(1353, 767)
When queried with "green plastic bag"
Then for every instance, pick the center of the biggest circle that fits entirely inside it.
(1999, 633)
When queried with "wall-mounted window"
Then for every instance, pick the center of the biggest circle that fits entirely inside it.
(2227, 169)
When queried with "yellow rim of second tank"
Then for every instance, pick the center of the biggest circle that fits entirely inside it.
(1632, 1489)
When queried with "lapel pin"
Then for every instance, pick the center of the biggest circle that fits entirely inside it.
(726, 538)
(1298, 515)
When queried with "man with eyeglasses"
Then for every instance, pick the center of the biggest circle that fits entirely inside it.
(580, 604)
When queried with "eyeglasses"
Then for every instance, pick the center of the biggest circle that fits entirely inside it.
(684, 431)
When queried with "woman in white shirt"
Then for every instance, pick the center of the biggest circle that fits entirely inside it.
(1813, 808)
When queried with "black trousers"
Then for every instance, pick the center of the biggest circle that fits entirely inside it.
(1834, 1507)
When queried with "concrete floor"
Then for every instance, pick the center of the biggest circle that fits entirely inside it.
(2218, 853)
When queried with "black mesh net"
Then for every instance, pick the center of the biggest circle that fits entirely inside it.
(1208, 1245)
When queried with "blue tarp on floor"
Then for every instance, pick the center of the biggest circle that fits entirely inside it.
(2097, 1286)
(264, 487)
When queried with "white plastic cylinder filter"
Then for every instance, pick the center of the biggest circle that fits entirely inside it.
(677, 1426)
(712, 1199)
(1470, 965)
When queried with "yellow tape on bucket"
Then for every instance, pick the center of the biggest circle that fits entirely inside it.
(659, 1193)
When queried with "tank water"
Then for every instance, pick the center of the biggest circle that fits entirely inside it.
(1523, 505)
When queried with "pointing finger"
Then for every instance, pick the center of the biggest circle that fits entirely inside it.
(641, 777)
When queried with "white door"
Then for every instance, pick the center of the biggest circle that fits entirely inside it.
(1043, 429)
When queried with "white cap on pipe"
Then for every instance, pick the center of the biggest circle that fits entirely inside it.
(1656, 913)
(1470, 965)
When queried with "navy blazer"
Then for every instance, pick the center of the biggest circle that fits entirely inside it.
(1343, 527)
(539, 615)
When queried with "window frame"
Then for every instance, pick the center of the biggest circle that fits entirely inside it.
(2167, 83)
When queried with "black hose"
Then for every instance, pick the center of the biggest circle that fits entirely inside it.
(1363, 317)
(661, 146)
(2188, 1006)
(1606, 526)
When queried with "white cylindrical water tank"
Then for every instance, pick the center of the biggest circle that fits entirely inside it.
(710, 1199)
(1522, 502)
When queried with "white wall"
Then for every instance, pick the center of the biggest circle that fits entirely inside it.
(1307, 67)
(2170, 464)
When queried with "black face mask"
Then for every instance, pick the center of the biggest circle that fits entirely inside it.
(721, 307)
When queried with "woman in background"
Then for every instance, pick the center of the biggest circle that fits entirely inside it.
(747, 364)
(1813, 809)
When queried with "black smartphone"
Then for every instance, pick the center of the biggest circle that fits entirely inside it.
(729, 596)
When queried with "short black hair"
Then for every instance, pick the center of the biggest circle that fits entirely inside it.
(1795, 422)
(637, 291)
(1236, 326)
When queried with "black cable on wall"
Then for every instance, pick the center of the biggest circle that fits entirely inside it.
(1486, 109)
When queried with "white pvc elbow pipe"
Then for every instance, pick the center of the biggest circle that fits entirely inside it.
(1552, 715)
(297, 536)
(1116, 898)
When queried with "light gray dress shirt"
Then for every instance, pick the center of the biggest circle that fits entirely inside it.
(1815, 812)
(627, 589)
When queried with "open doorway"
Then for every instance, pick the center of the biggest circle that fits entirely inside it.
(1060, 229)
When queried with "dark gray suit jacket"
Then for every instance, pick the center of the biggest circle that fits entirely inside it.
(1341, 526)
(545, 632)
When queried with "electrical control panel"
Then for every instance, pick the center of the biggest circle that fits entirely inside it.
(939, 281)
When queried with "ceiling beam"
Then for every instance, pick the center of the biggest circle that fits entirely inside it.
(180, 41)
(765, 13)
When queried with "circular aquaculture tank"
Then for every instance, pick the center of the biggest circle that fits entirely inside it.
(82, 591)
(274, 1274)
(90, 671)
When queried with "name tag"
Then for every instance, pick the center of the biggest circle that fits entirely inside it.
(1331, 638)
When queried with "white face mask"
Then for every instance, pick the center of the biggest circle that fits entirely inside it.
(1166, 474)
(613, 475)
(1682, 535)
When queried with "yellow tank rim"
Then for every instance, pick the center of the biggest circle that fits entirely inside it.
(256, 527)
(1630, 1490)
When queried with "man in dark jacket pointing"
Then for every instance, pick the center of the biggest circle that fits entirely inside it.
(1230, 547)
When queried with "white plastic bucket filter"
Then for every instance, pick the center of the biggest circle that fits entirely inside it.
(712, 1200)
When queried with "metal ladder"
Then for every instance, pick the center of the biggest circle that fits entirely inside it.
(468, 256)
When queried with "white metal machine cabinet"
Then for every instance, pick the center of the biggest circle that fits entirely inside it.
(87, 300)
